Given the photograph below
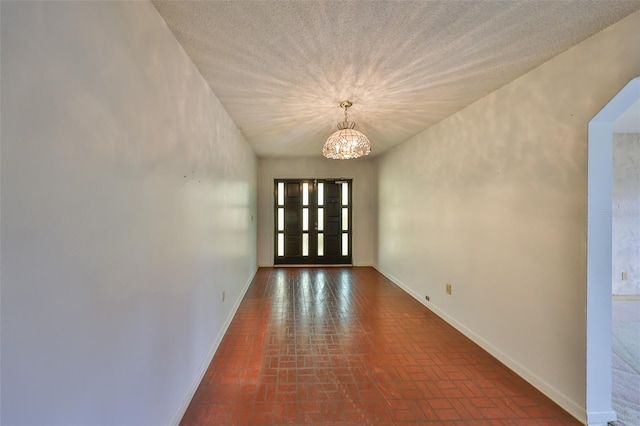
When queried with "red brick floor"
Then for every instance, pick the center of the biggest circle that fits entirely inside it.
(345, 346)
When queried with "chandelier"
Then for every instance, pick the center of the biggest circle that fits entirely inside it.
(347, 142)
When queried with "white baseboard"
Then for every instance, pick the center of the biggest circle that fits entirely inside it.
(558, 397)
(626, 297)
(599, 418)
(212, 351)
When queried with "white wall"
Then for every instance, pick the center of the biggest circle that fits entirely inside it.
(625, 213)
(128, 198)
(361, 170)
(493, 200)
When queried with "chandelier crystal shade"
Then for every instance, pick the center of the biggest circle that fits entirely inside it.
(347, 142)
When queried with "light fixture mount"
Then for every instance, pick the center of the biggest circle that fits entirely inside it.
(347, 142)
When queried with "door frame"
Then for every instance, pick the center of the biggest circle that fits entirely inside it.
(598, 402)
(354, 212)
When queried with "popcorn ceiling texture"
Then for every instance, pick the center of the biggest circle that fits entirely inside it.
(626, 213)
(280, 68)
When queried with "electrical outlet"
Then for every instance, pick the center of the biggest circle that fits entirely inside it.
(224, 295)
(428, 298)
(624, 276)
(448, 288)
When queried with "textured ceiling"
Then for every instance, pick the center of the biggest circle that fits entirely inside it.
(280, 68)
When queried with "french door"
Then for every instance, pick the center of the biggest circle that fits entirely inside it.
(313, 220)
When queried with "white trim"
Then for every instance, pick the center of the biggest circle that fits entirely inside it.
(626, 297)
(599, 245)
(598, 418)
(558, 397)
(212, 351)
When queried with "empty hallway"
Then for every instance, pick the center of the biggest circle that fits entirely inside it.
(138, 206)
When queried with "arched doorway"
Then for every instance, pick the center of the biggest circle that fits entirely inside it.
(599, 264)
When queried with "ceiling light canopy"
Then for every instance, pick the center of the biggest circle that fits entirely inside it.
(347, 142)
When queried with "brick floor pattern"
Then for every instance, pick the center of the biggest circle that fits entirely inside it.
(345, 346)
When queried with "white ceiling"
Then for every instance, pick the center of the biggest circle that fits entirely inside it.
(280, 68)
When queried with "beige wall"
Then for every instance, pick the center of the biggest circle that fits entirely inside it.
(493, 201)
(360, 170)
